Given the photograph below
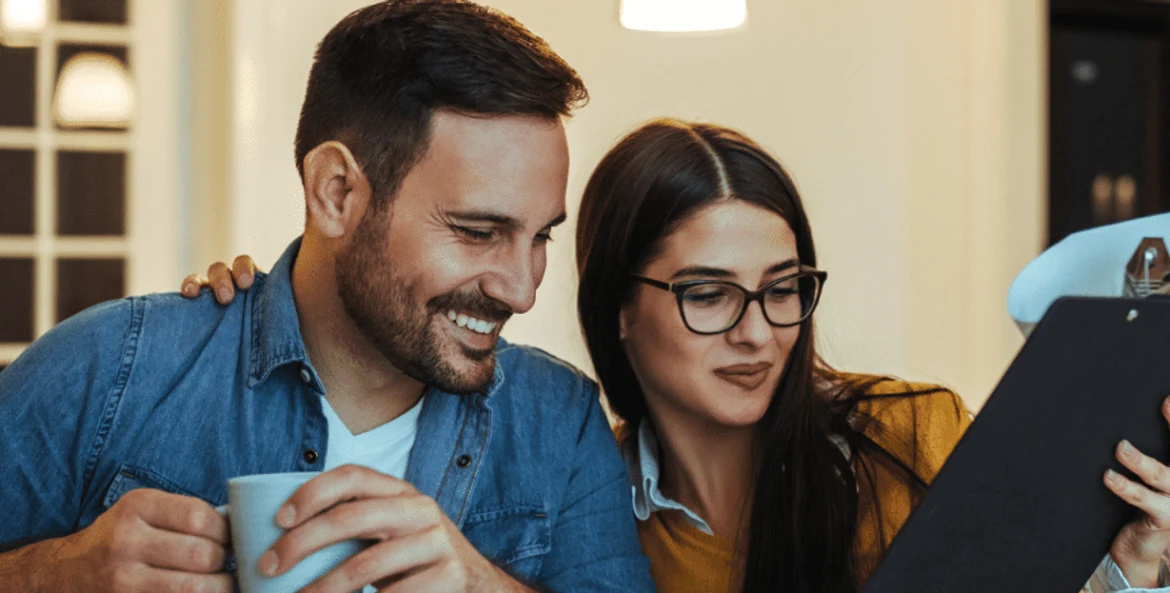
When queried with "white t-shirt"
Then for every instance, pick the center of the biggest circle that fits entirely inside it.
(385, 449)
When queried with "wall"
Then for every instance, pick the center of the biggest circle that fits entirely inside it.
(976, 200)
(208, 134)
(156, 191)
(913, 127)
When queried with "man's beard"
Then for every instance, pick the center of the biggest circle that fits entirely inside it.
(402, 329)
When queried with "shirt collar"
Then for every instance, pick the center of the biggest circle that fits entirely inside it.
(498, 372)
(641, 456)
(276, 329)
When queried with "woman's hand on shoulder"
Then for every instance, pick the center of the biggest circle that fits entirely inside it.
(222, 279)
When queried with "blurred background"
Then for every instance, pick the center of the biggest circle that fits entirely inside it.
(939, 145)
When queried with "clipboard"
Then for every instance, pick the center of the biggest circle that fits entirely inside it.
(1020, 505)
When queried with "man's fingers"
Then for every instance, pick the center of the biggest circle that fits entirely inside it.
(345, 483)
(221, 282)
(372, 518)
(1155, 505)
(1150, 470)
(387, 559)
(157, 580)
(180, 514)
(184, 553)
(244, 271)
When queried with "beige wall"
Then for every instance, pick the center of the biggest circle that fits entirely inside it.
(913, 128)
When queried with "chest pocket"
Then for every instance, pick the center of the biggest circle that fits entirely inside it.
(130, 477)
(518, 537)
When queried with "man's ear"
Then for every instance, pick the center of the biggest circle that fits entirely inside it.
(337, 192)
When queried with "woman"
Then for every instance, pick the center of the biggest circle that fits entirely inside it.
(716, 387)
(756, 467)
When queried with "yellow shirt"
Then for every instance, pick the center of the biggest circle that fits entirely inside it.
(920, 431)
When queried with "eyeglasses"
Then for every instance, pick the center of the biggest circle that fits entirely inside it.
(715, 306)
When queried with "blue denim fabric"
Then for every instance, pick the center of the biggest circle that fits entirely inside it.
(180, 395)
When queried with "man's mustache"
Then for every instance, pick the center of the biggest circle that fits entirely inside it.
(477, 305)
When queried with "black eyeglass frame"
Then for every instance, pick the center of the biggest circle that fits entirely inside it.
(750, 296)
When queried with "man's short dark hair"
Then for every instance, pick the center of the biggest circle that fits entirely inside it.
(382, 72)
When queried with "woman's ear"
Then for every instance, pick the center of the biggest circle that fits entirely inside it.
(337, 192)
(622, 324)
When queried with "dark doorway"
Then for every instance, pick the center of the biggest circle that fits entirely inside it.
(1109, 112)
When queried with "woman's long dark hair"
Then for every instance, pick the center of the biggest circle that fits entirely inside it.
(804, 509)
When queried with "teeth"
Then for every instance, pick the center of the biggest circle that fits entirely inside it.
(471, 323)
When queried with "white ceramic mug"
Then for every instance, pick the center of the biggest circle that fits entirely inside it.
(251, 510)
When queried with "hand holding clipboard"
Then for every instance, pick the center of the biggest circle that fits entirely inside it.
(1020, 505)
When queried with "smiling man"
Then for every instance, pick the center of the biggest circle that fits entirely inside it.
(434, 165)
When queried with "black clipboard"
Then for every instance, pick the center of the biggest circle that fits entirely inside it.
(1020, 505)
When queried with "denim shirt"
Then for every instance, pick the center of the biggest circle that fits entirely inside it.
(180, 395)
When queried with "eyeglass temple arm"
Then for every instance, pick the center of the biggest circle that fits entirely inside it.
(652, 282)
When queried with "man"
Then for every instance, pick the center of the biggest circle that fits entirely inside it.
(1089, 263)
(434, 165)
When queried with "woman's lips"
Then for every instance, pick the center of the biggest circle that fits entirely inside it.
(748, 376)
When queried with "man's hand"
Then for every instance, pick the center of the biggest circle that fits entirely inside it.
(150, 542)
(415, 548)
(1140, 545)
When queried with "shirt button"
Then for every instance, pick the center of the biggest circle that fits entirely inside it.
(463, 461)
(310, 456)
(305, 376)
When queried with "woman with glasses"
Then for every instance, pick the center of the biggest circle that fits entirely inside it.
(755, 466)
(698, 284)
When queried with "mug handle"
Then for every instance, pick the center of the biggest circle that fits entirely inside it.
(230, 564)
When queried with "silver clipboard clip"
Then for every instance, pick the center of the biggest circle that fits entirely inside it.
(1148, 271)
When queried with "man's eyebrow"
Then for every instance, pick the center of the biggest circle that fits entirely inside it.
(557, 221)
(497, 218)
(485, 216)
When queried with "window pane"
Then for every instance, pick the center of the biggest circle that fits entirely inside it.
(18, 70)
(68, 50)
(93, 11)
(99, 86)
(16, 300)
(91, 193)
(16, 192)
(82, 283)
